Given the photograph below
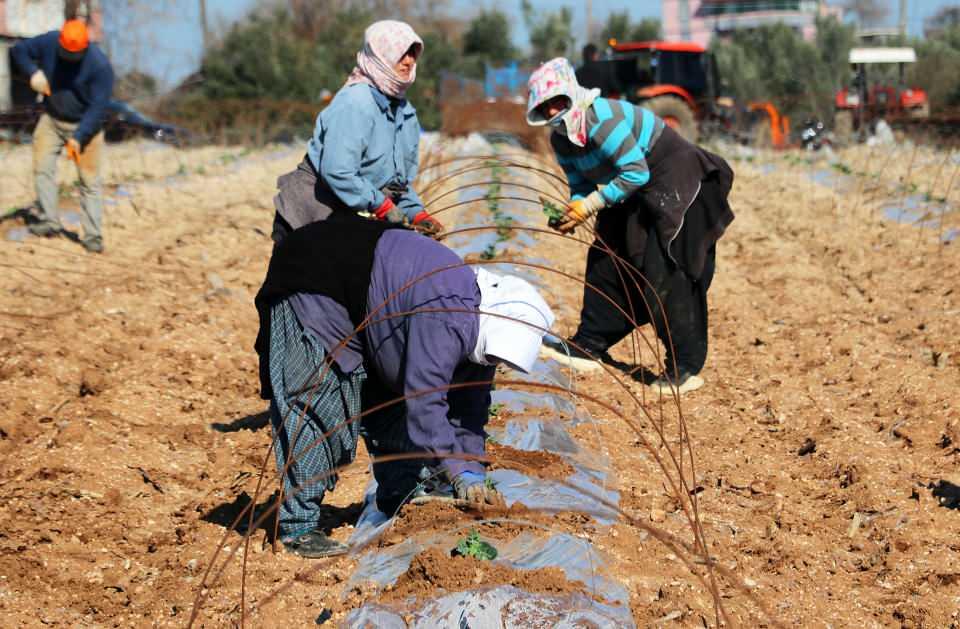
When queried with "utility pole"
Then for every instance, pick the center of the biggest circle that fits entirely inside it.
(684, 16)
(589, 20)
(903, 19)
(203, 24)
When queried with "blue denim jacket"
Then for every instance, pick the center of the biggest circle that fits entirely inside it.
(362, 142)
(81, 90)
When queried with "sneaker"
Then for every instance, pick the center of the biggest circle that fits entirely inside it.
(315, 545)
(45, 230)
(666, 384)
(565, 353)
(93, 244)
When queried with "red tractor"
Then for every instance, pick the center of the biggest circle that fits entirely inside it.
(863, 102)
(678, 81)
(675, 80)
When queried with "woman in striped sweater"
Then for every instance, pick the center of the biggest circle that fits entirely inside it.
(661, 205)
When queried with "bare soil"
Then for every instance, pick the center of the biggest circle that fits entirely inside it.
(132, 434)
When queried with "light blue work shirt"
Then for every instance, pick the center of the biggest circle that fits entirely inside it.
(364, 141)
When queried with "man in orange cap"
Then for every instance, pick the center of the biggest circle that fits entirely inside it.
(75, 80)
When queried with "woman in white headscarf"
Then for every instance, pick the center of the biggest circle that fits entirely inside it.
(432, 332)
(661, 204)
(364, 153)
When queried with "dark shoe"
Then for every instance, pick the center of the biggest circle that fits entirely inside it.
(579, 356)
(315, 545)
(666, 384)
(93, 244)
(44, 230)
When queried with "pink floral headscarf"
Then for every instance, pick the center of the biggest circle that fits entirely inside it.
(557, 78)
(384, 44)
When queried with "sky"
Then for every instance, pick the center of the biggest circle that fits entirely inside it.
(175, 43)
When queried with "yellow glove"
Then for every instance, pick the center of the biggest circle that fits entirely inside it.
(74, 150)
(39, 83)
(579, 210)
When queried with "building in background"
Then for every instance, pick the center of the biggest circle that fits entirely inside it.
(20, 19)
(701, 20)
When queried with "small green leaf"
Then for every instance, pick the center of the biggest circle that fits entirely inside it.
(473, 546)
(552, 211)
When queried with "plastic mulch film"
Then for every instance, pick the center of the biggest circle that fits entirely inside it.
(503, 606)
(538, 420)
(580, 493)
(577, 557)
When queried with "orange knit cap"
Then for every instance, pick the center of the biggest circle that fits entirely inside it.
(74, 37)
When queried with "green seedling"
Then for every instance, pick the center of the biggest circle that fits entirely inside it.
(552, 211)
(490, 484)
(495, 409)
(473, 546)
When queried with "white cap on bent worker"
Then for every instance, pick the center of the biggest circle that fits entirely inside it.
(513, 319)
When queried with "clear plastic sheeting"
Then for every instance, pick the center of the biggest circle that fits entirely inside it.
(535, 434)
(539, 420)
(582, 493)
(522, 402)
(577, 557)
(504, 606)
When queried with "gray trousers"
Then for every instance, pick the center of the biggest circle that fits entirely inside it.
(49, 138)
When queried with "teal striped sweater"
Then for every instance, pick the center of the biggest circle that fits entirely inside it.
(619, 138)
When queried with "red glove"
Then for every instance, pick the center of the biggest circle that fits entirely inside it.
(427, 224)
(384, 209)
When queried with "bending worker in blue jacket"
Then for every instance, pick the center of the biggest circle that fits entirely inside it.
(661, 205)
(436, 332)
(364, 153)
(76, 81)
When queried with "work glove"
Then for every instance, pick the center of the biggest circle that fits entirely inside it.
(389, 212)
(427, 225)
(578, 211)
(39, 83)
(74, 150)
(473, 488)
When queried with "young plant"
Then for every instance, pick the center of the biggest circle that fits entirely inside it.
(552, 211)
(473, 546)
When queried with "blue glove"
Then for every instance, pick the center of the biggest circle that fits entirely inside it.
(472, 487)
(465, 480)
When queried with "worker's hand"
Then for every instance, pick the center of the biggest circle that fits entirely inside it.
(39, 83)
(74, 150)
(474, 489)
(389, 212)
(578, 211)
(427, 225)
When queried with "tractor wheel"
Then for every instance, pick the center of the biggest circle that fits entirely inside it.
(676, 114)
(843, 125)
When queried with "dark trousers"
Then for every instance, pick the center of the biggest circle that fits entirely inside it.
(385, 432)
(681, 323)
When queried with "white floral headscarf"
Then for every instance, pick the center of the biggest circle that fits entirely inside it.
(384, 44)
(557, 78)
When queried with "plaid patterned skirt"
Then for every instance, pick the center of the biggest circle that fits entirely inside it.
(311, 404)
